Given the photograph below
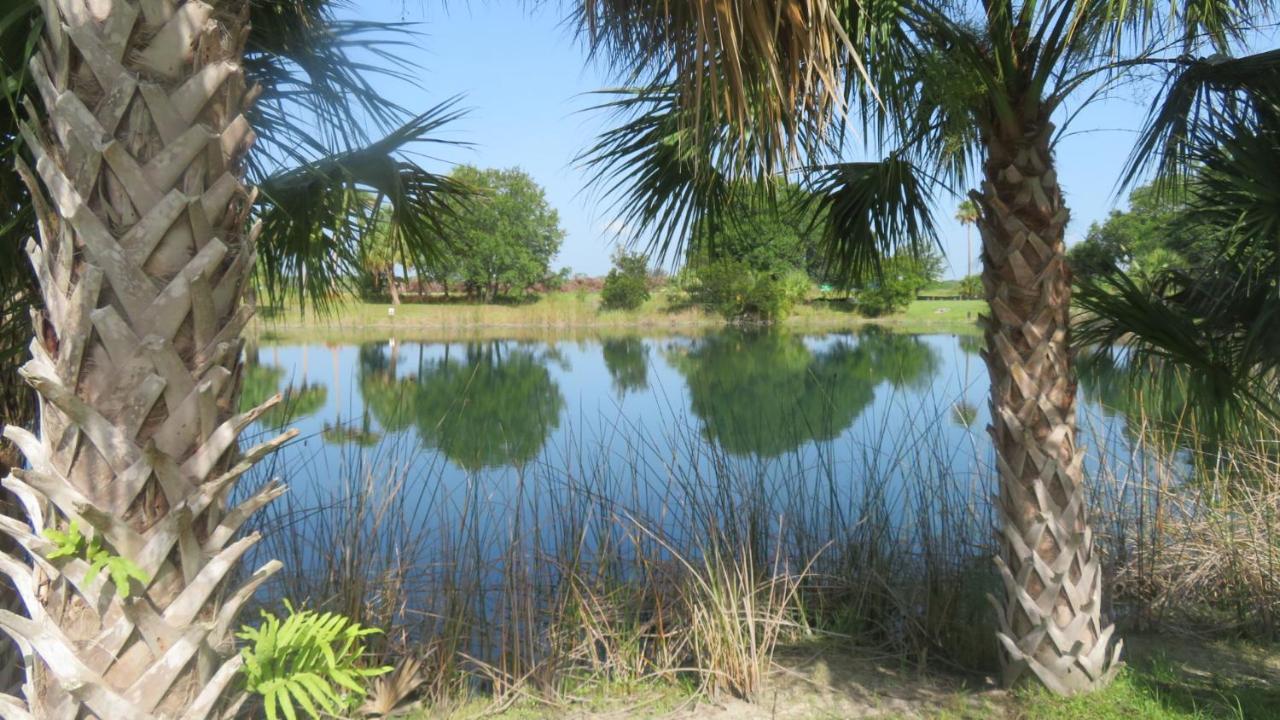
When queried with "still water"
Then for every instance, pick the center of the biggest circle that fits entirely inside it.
(489, 409)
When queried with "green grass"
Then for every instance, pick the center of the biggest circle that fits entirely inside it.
(1133, 696)
(1172, 680)
(574, 313)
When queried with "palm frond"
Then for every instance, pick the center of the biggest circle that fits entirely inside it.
(871, 210)
(1237, 179)
(1195, 99)
(662, 178)
(774, 70)
(317, 95)
(1169, 347)
(317, 215)
(19, 32)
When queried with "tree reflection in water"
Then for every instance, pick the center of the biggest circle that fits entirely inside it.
(766, 393)
(494, 405)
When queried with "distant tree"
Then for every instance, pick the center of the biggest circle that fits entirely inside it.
(968, 214)
(626, 287)
(380, 251)
(504, 240)
(971, 287)
(556, 281)
(768, 234)
(926, 267)
(740, 292)
(1152, 235)
(755, 262)
(445, 270)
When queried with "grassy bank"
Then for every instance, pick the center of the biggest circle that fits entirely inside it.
(570, 313)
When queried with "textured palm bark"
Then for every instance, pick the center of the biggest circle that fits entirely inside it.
(1050, 621)
(142, 260)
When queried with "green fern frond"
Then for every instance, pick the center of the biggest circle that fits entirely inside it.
(308, 660)
(73, 543)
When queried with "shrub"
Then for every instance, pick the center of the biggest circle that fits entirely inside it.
(885, 297)
(735, 290)
(893, 289)
(626, 287)
(971, 287)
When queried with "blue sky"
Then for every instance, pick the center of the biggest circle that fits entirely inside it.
(525, 81)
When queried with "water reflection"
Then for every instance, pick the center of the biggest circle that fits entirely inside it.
(627, 361)
(767, 393)
(970, 344)
(489, 405)
(1154, 404)
(300, 399)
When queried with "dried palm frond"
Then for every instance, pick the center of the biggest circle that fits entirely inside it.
(388, 693)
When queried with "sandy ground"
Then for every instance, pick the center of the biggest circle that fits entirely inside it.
(857, 685)
(829, 683)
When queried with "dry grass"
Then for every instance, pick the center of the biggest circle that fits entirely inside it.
(1202, 553)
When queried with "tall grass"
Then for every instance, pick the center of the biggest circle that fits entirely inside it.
(631, 555)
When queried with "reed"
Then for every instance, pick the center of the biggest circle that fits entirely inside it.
(628, 556)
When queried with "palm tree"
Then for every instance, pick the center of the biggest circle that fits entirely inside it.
(1210, 331)
(952, 91)
(967, 214)
(147, 240)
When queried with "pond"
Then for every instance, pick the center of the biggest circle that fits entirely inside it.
(459, 489)
(780, 405)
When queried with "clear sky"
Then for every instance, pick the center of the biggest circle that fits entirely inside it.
(525, 81)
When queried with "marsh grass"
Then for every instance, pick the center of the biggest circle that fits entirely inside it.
(636, 558)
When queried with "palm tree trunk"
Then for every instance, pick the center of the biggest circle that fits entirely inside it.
(968, 249)
(142, 262)
(391, 283)
(1050, 620)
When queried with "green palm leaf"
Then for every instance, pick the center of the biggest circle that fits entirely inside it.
(870, 210)
(318, 215)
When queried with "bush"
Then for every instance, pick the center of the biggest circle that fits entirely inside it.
(626, 287)
(733, 289)
(971, 287)
(886, 297)
(900, 278)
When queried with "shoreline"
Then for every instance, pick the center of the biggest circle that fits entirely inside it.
(578, 317)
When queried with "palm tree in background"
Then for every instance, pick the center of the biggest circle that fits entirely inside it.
(131, 148)
(956, 95)
(967, 215)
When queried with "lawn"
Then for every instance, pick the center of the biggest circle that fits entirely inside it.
(577, 313)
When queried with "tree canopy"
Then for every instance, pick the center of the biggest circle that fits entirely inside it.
(503, 240)
(1153, 234)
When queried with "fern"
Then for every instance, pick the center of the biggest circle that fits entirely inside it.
(308, 658)
(74, 543)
